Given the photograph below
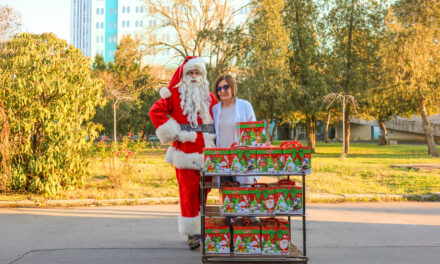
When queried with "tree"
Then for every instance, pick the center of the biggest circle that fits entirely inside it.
(10, 22)
(201, 28)
(125, 80)
(345, 101)
(412, 58)
(49, 96)
(265, 67)
(354, 27)
(306, 64)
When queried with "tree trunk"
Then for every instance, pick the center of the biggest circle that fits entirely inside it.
(347, 129)
(311, 132)
(274, 131)
(327, 123)
(115, 105)
(268, 135)
(384, 138)
(432, 149)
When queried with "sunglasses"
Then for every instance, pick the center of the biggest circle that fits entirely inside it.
(224, 87)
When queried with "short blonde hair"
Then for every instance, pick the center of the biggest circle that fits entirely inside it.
(231, 82)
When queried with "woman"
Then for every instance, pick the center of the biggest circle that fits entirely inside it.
(226, 114)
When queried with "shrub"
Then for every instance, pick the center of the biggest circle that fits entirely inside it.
(49, 97)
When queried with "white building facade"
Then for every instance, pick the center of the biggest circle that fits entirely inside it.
(97, 26)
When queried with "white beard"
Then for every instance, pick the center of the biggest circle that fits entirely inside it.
(195, 99)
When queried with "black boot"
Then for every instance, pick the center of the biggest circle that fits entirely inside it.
(194, 242)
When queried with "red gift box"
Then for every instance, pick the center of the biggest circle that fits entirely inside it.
(275, 237)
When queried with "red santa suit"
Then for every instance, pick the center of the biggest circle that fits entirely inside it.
(167, 115)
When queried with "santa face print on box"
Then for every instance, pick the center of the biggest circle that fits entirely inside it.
(275, 238)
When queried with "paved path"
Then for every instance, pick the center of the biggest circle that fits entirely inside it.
(337, 233)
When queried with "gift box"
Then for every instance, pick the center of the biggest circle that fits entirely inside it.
(296, 157)
(216, 160)
(275, 237)
(243, 160)
(235, 199)
(251, 133)
(270, 160)
(262, 199)
(246, 237)
(217, 236)
(288, 197)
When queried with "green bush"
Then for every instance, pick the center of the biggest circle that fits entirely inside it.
(49, 96)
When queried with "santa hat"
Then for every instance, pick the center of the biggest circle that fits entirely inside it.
(190, 63)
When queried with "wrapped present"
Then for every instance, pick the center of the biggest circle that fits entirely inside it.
(262, 199)
(251, 133)
(270, 160)
(235, 199)
(246, 237)
(296, 157)
(288, 197)
(243, 160)
(275, 237)
(217, 236)
(216, 160)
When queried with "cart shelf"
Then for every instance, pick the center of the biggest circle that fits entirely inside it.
(295, 256)
(214, 210)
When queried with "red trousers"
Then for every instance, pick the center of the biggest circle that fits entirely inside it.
(189, 191)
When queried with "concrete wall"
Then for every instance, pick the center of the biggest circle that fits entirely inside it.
(358, 132)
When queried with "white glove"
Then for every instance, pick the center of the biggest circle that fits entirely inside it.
(186, 136)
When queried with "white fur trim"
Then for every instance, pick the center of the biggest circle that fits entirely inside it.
(168, 131)
(189, 225)
(195, 63)
(183, 160)
(209, 140)
(187, 136)
(164, 92)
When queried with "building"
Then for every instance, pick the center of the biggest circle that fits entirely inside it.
(97, 26)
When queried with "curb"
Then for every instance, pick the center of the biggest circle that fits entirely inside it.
(312, 197)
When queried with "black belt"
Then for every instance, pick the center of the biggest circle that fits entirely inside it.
(199, 128)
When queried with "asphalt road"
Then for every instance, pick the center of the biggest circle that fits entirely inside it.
(336, 233)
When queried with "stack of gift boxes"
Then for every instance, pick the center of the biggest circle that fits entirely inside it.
(251, 154)
(269, 237)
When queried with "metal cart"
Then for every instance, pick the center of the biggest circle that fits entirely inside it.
(295, 255)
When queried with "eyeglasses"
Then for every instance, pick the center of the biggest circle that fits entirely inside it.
(224, 87)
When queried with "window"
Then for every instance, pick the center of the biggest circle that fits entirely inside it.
(109, 53)
(142, 23)
(137, 9)
(102, 39)
(128, 23)
(142, 9)
(97, 11)
(97, 25)
(123, 23)
(150, 23)
(137, 23)
(128, 9)
(97, 39)
(110, 39)
(123, 9)
(102, 24)
(102, 11)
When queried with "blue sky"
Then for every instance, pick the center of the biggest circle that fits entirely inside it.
(40, 16)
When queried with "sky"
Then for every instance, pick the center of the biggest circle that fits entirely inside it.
(40, 16)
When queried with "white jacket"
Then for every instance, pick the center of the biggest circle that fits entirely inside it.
(243, 113)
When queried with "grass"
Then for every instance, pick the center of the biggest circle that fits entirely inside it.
(366, 170)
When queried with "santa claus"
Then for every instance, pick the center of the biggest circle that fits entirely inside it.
(183, 116)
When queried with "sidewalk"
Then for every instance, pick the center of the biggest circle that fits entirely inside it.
(403, 233)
